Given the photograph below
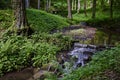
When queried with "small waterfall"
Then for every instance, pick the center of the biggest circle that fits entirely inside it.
(82, 53)
(79, 56)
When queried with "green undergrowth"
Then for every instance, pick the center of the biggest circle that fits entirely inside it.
(18, 52)
(38, 20)
(104, 66)
(42, 21)
(6, 18)
(100, 16)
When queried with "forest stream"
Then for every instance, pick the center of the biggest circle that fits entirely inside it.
(87, 41)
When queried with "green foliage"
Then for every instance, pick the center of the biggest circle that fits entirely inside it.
(100, 16)
(5, 4)
(45, 53)
(12, 54)
(50, 76)
(45, 22)
(17, 52)
(5, 18)
(101, 62)
(63, 42)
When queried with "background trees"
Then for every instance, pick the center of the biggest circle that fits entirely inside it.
(60, 7)
(69, 9)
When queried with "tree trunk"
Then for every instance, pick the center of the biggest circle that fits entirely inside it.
(111, 9)
(94, 9)
(38, 4)
(69, 9)
(47, 5)
(20, 14)
(75, 5)
(27, 2)
(72, 4)
(78, 10)
(85, 8)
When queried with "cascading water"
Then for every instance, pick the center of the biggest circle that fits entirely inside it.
(79, 55)
(82, 53)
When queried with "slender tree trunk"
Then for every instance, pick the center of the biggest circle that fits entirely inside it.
(85, 2)
(27, 2)
(79, 6)
(69, 9)
(49, 4)
(72, 4)
(75, 5)
(111, 9)
(20, 14)
(94, 9)
(38, 4)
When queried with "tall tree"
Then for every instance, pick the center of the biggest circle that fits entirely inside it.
(38, 4)
(79, 6)
(20, 14)
(47, 5)
(85, 6)
(69, 9)
(75, 5)
(94, 9)
(72, 4)
(27, 3)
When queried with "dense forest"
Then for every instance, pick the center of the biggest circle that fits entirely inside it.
(59, 39)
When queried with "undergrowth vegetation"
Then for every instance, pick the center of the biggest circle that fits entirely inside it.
(100, 16)
(6, 18)
(17, 52)
(44, 22)
(104, 66)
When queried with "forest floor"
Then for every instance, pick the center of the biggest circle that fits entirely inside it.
(75, 31)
